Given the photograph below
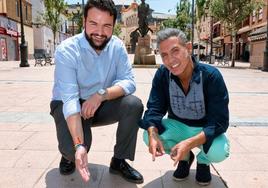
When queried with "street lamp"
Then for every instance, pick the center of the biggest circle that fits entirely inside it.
(23, 45)
(83, 4)
(265, 58)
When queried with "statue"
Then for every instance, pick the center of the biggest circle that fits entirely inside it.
(143, 51)
(133, 40)
(143, 12)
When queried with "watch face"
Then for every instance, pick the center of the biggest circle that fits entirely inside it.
(102, 91)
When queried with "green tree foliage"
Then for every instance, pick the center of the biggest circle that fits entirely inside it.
(183, 18)
(52, 15)
(200, 9)
(117, 29)
(79, 22)
(232, 13)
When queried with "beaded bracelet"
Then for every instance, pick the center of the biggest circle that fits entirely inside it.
(76, 146)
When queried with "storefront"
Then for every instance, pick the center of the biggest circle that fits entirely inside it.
(257, 46)
(9, 45)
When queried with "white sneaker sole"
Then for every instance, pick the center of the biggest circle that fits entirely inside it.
(203, 183)
(179, 179)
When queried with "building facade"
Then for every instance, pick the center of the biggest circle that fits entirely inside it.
(10, 28)
(43, 35)
(74, 12)
(250, 39)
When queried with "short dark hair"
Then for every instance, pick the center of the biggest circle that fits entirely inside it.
(105, 5)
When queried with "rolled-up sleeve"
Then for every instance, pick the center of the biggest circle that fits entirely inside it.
(66, 79)
(124, 74)
(217, 101)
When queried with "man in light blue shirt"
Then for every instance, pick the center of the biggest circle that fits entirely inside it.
(93, 83)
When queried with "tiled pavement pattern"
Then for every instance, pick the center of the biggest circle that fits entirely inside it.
(28, 147)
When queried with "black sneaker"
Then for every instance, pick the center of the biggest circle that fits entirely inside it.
(121, 167)
(203, 175)
(66, 167)
(183, 169)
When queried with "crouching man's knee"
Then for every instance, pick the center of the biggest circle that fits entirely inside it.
(219, 150)
(132, 105)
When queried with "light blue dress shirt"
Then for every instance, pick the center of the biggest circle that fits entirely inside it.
(80, 72)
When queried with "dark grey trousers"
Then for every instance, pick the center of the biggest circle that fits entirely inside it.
(126, 110)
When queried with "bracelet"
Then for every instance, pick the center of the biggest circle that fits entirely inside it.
(152, 130)
(76, 146)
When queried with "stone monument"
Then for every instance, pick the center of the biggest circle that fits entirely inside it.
(143, 51)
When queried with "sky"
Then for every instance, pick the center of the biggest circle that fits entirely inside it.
(162, 6)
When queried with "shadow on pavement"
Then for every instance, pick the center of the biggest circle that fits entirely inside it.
(99, 177)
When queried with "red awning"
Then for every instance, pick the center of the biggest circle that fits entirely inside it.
(9, 32)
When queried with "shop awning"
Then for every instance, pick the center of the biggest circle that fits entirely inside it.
(258, 34)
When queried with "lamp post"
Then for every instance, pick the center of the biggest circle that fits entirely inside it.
(83, 4)
(23, 45)
(192, 27)
(265, 58)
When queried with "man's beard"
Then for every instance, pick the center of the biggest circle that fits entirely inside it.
(93, 45)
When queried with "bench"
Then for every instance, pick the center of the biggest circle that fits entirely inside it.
(223, 61)
(39, 58)
(48, 59)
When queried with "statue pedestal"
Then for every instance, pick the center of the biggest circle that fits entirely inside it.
(143, 52)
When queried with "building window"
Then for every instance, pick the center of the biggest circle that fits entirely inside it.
(254, 16)
(17, 9)
(26, 12)
(260, 14)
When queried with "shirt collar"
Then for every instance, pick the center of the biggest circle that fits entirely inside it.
(196, 77)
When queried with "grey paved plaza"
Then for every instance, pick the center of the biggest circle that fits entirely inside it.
(28, 146)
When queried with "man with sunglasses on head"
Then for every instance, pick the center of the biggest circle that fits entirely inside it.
(93, 86)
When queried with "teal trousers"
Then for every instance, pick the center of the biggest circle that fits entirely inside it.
(176, 132)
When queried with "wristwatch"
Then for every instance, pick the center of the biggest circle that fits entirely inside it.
(102, 93)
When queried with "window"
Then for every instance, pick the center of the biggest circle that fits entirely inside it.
(17, 9)
(254, 16)
(26, 12)
(260, 14)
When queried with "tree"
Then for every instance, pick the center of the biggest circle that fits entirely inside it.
(117, 29)
(232, 13)
(79, 22)
(183, 18)
(52, 15)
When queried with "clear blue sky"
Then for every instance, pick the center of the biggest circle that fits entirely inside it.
(163, 6)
